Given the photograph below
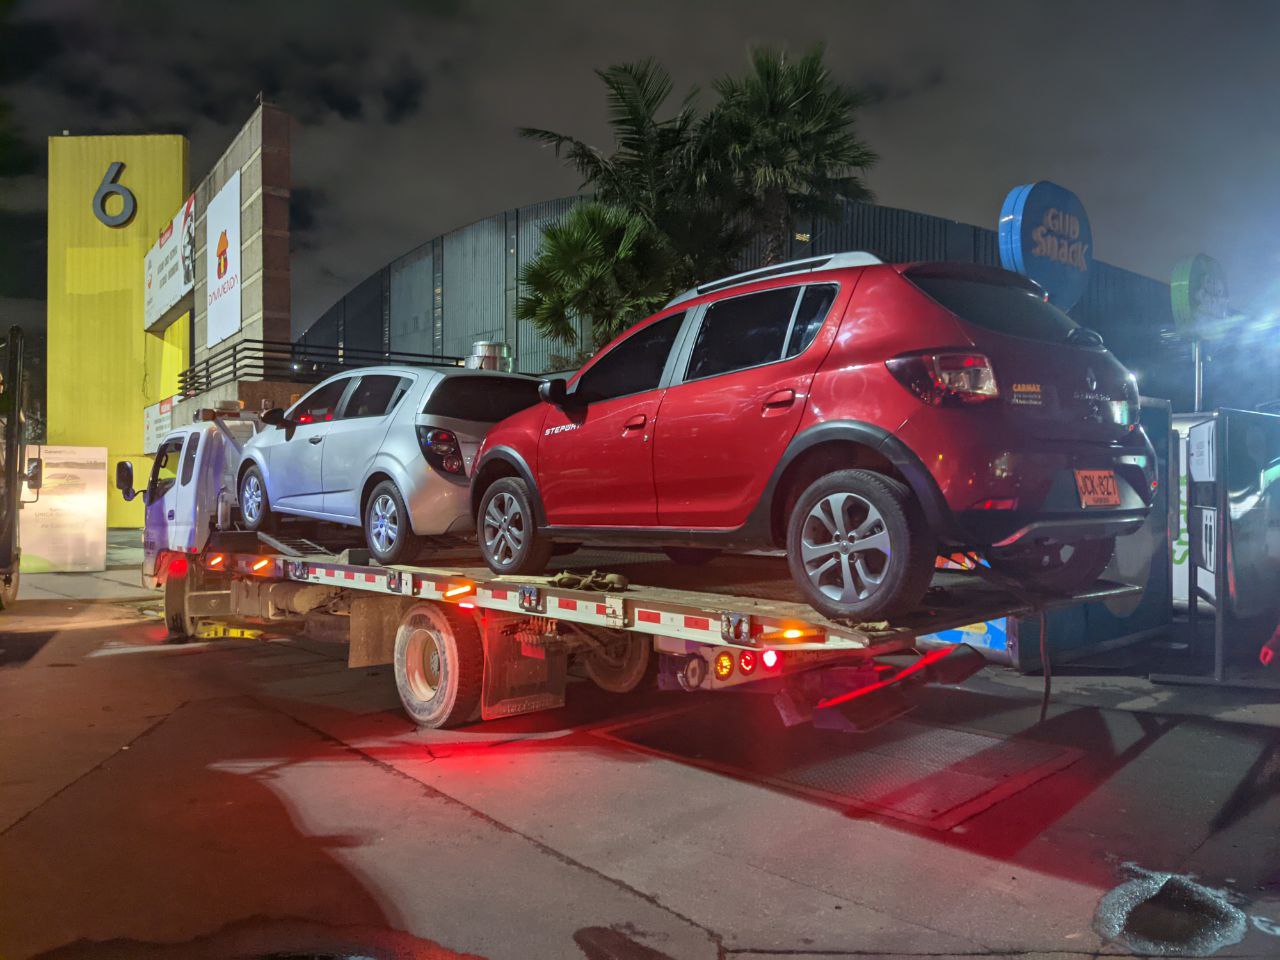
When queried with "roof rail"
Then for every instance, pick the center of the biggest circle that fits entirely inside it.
(834, 261)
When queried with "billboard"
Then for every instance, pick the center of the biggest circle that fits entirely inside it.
(157, 421)
(1044, 234)
(169, 269)
(222, 262)
(1198, 290)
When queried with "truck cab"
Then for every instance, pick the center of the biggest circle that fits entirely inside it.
(191, 485)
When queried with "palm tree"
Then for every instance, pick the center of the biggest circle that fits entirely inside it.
(602, 266)
(654, 171)
(784, 134)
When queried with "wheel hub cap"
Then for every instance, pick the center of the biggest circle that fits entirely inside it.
(503, 529)
(384, 526)
(845, 547)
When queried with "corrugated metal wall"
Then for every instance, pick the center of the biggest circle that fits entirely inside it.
(462, 287)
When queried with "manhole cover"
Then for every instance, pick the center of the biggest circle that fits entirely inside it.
(923, 774)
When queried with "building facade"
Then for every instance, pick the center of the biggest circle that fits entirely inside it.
(462, 286)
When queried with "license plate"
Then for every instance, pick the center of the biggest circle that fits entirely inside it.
(1097, 488)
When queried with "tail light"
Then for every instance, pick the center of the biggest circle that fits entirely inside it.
(442, 450)
(946, 379)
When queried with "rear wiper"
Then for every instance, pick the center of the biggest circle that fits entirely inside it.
(1084, 337)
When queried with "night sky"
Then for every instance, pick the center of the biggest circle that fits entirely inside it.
(1162, 116)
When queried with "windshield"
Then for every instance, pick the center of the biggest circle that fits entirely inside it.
(1000, 306)
(482, 398)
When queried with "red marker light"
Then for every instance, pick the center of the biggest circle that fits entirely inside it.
(746, 662)
(178, 567)
(769, 658)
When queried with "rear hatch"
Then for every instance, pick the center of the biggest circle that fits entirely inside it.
(1054, 376)
(469, 404)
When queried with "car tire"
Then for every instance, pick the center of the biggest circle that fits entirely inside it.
(439, 665)
(876, 574)
(255, 505)
(508, 530)
(690, 556)
(388, 532)
(1060, 568)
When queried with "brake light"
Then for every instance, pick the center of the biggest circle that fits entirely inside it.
(946, 379)
(746, 662)
(442, 450)
(769, 658)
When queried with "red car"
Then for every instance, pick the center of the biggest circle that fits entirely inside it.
(858, 415)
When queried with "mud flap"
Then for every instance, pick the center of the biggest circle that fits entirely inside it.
(519, 677)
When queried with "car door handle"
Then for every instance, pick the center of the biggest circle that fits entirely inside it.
(779, 399)
(315, 439)
(636, 423)
(169, 515)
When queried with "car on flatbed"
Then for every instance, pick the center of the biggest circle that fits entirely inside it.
(857, 415)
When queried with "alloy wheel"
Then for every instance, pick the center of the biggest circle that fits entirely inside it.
(423, 663)
(505, 528)
(845, 547)
(384, 529)
(251, 499)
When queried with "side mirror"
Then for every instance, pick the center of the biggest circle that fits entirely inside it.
(124, 479)
(553, 391)
(274, 417)
(35, 473)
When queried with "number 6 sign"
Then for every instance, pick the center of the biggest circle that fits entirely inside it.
(109, 187)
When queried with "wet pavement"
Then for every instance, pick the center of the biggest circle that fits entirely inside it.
(258, 799)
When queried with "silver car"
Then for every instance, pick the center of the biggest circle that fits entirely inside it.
(386, 448)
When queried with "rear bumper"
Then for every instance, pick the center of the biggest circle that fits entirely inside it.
(1001, 489)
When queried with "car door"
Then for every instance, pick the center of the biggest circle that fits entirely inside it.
(738, 395)
(595, 460)
(161, 522)
(294, 463)
(354, 439)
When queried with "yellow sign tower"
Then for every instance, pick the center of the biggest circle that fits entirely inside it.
(109, 197)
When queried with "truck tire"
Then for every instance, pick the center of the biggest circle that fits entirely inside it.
(439, 664)
(508, 531)
(255, 506)
(859, 547)
(620, 666)
(9, 590)
(181, 627)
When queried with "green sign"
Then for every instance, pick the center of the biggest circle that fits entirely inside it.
(1199, 291)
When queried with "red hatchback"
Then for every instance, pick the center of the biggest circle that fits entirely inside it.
(859, 415)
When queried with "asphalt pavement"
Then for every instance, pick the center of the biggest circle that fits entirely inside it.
(255, 798)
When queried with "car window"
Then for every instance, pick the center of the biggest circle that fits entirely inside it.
(164, 469)
(633, 366)
(1000, 306)
(486, 399)
(743, 332)
(814, 307)
(374, 396)
(321, 403)
(189, 458)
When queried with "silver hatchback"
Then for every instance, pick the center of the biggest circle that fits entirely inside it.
(388, 449)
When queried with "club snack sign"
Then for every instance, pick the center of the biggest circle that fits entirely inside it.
(222, 262)
(1044, 235)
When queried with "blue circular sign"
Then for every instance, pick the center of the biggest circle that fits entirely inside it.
(1044, 235)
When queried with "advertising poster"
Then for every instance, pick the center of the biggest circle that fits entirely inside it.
(157, 421)
(169, 265)
(65, 530)
(222, 263)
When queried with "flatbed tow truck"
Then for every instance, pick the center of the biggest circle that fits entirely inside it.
(467, 645)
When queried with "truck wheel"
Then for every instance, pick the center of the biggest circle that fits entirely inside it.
(255, 505)
(859, 547)
(508, 532)
(620, 666)
(1064, 568)
(387, 528)
(175, 606)
(439, 664)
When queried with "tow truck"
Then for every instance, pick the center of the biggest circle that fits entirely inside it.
(467, 645)
(15, 468)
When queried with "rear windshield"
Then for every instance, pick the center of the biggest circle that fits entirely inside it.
(486, 399)
(1004, 308)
